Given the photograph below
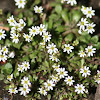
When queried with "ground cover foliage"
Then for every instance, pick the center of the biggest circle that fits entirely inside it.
(48, 50)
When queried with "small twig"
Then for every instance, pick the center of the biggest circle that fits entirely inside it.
(70, 31)
(5, 28)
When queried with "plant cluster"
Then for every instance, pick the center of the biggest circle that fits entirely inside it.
(49, 51)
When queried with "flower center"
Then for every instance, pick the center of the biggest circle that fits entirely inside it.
(20, 1)
(85, 71)
(25, 65)
(0, 33)
(9, 77)
(61, 73)
(20, 68)
(2, 56)
(84, 8)
(24, 89)
(82, 23)
(69, 80)
(42, 91)
(26, 82)
(52, 48)
(82, 53)
(38, 10)
(89, 50)
(89, 12)
(49, 84)
(33, 30)
(67, 48)
(90, 27)
(12, 20)
(15, 37)
(41, 29)
(22, 25)
(46, 36)
(56, 67)
(4, 49)
(26, 37)
(80, 88)
(13, 90)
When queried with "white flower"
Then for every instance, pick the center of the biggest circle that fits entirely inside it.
(11, 55)
(2, 35)
(85, 71)
(46, 36)
(13, 90)
(79, 31)
(13, 30)
(42, 91)
(33, 31)
(90, 50)
(10, 77)
(3, 57)
(49, 85)
(84, 10)
(53, 58)
(69, 80)
(11, 20)
(26, 65)
(90, 28)
(72, 2)
(79, 88)
(25, 82)
(62, 73)
(27, 37)
(20, 68)
(68, 48)
(17, 27)
(98, 73)
(22, 23)
(4, 50)
(38, 9)
(82, 23)
(62, 1)
(41, 29)
(97, 79)
(56, 67)
(15, 38)
(20, 3)
(52, 48)
(90, 12)
(43, 44)
(24, 90)
(54, 78)
(82, 54)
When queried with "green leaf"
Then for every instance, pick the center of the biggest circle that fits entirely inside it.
(76, 15)
(64, 15)
(1, 77)
(50, 23)
(20, 15)
(30, 22)
(85, 38)
(16, 72)
(60, 28)
(69, 37)
(35, 77)
(17, 45)
(58, 9)
(36, 2)
(49, 96)
(94, 39)
(7, 68)
(8, 43)
(97, 45)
